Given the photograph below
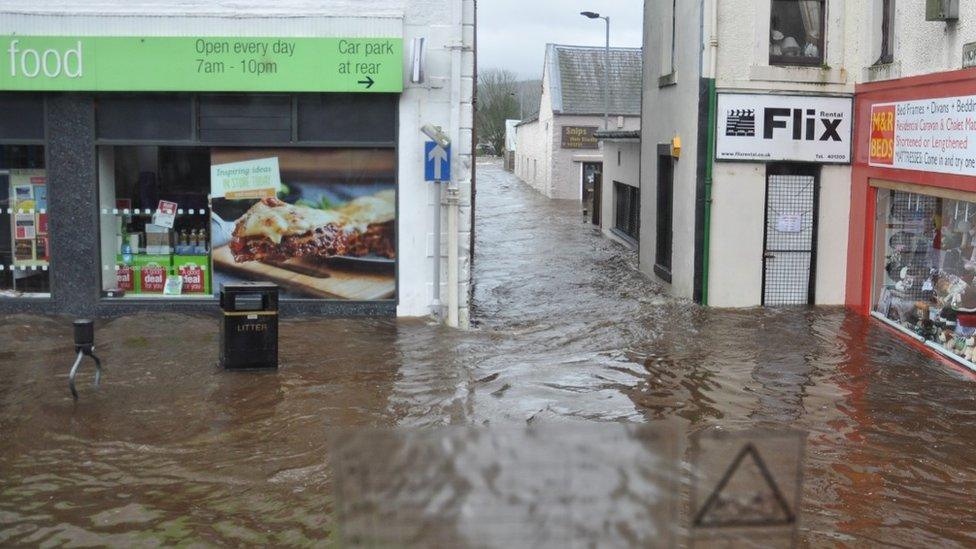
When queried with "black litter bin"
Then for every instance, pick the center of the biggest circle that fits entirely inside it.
(249, 330)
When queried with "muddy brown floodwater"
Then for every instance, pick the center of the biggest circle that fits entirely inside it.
(171, 449)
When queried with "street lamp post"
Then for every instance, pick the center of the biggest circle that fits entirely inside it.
(521, 113)
(606, 69)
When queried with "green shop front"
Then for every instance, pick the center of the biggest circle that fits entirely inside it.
(138, 172)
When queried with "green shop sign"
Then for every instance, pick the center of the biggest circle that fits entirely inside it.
(126, 63)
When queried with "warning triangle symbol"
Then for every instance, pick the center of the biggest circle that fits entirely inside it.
(746, 496)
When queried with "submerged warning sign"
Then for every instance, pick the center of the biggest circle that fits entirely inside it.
(764, 504)
(746, 486)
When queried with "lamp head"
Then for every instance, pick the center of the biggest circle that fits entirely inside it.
(590, 14)
(436, 134)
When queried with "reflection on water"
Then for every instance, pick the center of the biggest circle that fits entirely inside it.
(171, 448)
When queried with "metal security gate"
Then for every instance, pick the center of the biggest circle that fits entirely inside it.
(790, 249)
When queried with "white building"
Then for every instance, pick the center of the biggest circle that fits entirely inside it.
(292, 80)
(511, 138)
(556, 152)
(620, 189)
(758, 215)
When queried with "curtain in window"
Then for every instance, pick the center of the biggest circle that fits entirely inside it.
(812, 13)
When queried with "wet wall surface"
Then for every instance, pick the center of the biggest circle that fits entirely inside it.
(171, 448)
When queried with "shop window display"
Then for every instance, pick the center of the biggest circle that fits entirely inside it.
(24, 239)
(155, 221)
(319, 222)
(180, 221)
(796, 32)
(925, 268)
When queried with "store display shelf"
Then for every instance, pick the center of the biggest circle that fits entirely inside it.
(952, 356)
(928, 344)
(898, 327)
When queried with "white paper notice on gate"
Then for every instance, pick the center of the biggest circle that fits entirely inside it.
(789, 223)
(932, 135)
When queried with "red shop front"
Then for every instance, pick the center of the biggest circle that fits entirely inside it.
(912, 247)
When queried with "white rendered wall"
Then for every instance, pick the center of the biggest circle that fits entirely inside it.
(670, 112)
(921, 47)
(735, 261)
(626, 172)
(744, 63)
(530, 155)
(738, 192)
(444, 99)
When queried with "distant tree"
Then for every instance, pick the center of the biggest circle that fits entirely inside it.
(498, 100)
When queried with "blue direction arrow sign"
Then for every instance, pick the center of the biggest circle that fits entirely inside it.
(437, 162)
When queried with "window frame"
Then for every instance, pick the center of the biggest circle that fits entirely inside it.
(35, 140)
(630, 229)
(799, 61)
(887, 53)
(664, 245)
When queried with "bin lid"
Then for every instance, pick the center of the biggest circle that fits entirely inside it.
(248, 286)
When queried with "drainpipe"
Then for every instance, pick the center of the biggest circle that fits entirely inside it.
(452, 256)
(462, 18)
(710, 151)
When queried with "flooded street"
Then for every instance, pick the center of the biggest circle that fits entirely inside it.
(172, 449)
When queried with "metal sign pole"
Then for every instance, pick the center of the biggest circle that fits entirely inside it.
(436, 304)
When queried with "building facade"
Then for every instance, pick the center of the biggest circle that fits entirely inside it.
(911, 259)
(619, 217)
(556, 151)
(144, 145)
(745, 149)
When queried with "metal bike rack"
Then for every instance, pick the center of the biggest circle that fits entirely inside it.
(84, 346)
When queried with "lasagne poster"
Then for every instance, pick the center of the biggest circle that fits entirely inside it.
(321, 223)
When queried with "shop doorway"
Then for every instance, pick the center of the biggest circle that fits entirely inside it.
(790, 241)
(665, 213)
(592, 184)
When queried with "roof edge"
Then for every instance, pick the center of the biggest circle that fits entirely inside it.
(555, 79)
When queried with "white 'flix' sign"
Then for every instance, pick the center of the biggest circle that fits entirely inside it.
(772, 128)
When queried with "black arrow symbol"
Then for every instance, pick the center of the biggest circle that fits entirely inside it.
(369, 82)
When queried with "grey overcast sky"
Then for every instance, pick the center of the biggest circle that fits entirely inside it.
(512, 34)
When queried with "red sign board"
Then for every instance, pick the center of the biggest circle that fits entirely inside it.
(192, 279)
(882, 149)
(124, 279)
(153, 279)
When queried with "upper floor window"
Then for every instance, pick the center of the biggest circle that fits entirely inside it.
(887, 29)
(797, 32)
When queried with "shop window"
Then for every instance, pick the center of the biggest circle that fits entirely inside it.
(245, 118)
(22, 116)
(179, 221)
(345, 118)
(887, 32)
(24, 237)
(627, 214)
(797, 29)
(669, 25)
(925, 262)
(144, 117)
